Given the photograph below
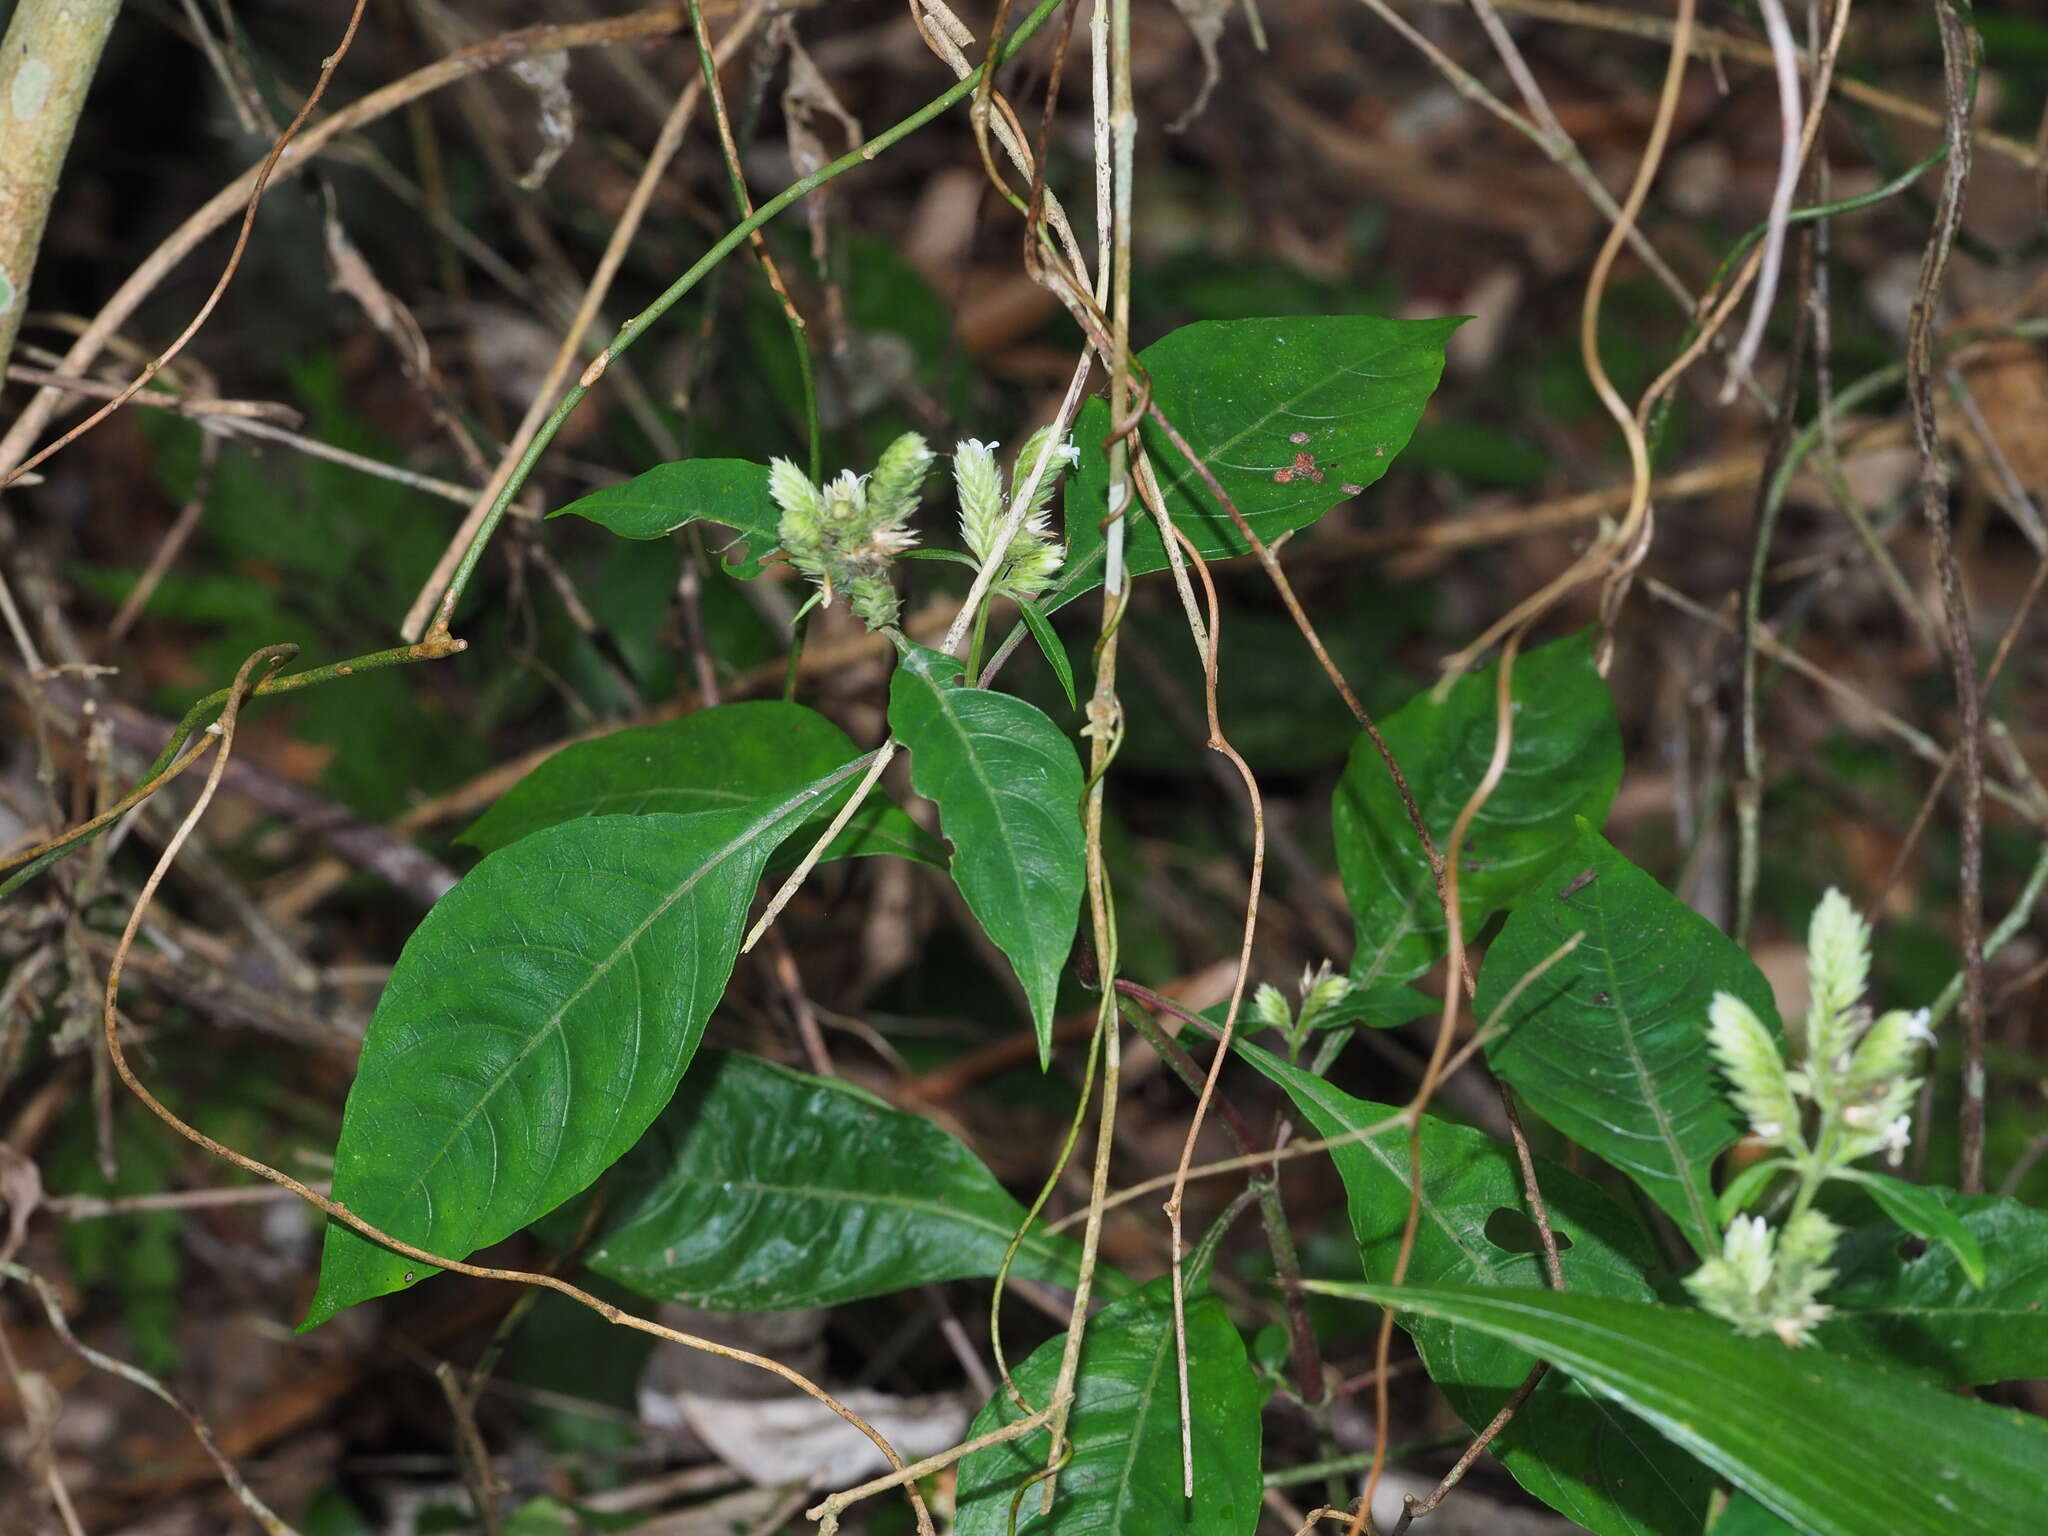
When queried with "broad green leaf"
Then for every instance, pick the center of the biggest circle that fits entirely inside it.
(1125, 1473)
(1745, 1517)
(1008, 788)
(535, 1024)
(1921, 1211)
(1833, 1446)
(1564, 761)
(760, 1188)
(1567, 1447)
(721, 758)
(1610, 1044)
(658, 501)
(1293, 416)
(1920, 1311)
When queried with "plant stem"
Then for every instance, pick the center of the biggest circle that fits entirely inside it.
(974, 645)
(47, 61)
(634, 328)
(744, 206)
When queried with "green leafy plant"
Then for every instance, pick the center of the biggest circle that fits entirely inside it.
(1857, 1075)
(1624, 1215)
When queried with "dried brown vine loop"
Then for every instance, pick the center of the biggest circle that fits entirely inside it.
(433, 594)
(269, 659)
(157, 364)
(1606, 550)
(1218, 742)
(987, 98)
(1433, 1073)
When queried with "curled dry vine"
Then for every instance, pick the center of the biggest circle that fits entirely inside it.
(222, 732)
(1204, 499)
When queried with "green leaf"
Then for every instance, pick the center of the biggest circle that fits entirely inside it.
(1567, 1446)
(535, 1024)
(1746, 1185)
(1923, 1313)
(1125, 1473)
(1049, 644)
(1745, 1517)
(1008, 788)
(715, 759)
(1921, 1211)
(1336, 394)
(658, 501)
(1835, 1447)
(1610, 1044)
(1564, 762)
(760, 1188)
(1384, 1006)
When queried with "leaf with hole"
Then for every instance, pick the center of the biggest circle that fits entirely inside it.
(536, 1023)
(1833, 1446)
(1564, 761)
(658, 501)
(1913, 1305)
(760, 1188)
(1293, 415)
(1125, 1472)
(1610, 1044)
(1921, 1210)
(720, 758)
(1567, 1447)
(1008, 788)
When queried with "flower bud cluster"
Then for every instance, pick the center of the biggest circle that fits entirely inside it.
(1032, 557)
(847, 534)
(1850, 1096)
(1321, 989)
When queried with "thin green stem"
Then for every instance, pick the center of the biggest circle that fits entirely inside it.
(159, 772)
(1045, 1191)
(1358, 1461)
(2013, 923)
(634, 328)
(980, 634)
(799, 627)
(743, 205)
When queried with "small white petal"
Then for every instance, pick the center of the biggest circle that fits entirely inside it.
(1920, 1027)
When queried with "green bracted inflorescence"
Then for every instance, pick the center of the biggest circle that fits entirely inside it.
(846, 535)
(1033, 556)
(1851, 1096)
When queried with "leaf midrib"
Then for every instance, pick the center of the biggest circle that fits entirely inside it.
(854, 1197)
(1024, 935)
(1656, 1364)
(553, 1023)
(1686, 1177)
